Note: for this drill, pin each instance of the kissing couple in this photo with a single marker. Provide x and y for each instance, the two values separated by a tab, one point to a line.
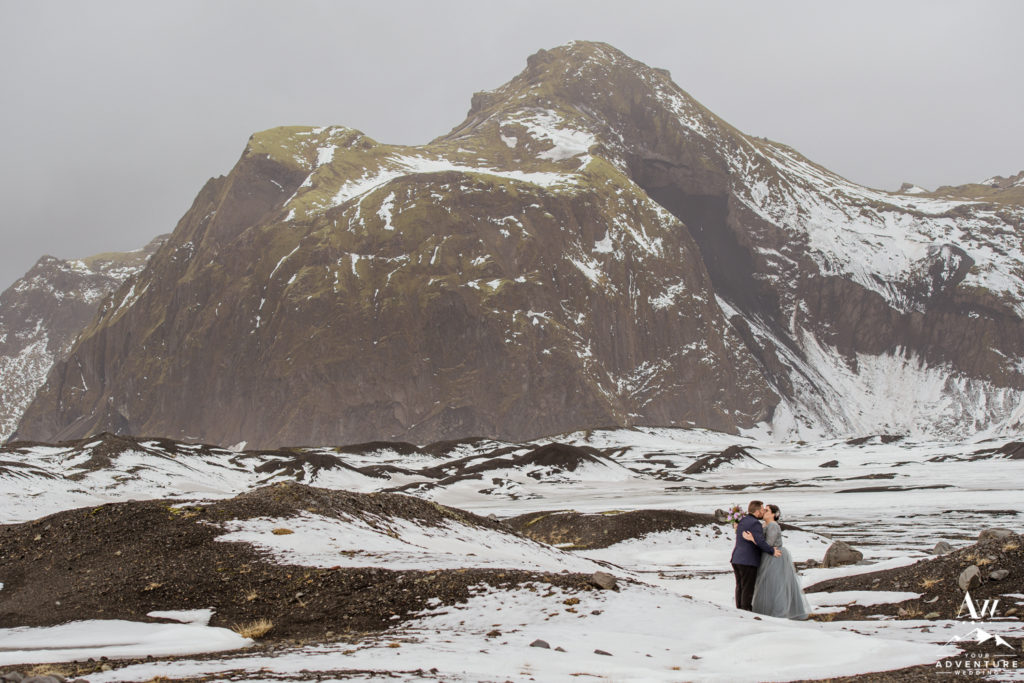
766	580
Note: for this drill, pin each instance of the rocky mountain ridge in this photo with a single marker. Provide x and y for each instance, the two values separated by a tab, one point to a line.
42	313
591	246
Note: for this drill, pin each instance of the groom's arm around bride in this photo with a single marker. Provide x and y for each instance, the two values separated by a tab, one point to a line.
746	555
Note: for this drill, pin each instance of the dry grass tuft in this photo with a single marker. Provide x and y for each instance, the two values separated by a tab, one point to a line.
928	584
1010	546
982	561
251	595
253	629
281	531
45	670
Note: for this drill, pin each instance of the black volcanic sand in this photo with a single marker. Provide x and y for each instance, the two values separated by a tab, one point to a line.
936	579
600	530
122	560
581	531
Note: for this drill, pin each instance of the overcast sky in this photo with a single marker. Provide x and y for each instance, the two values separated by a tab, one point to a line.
115	113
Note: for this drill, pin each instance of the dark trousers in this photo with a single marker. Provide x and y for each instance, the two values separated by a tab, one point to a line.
746	577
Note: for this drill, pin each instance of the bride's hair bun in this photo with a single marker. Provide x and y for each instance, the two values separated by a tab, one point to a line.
776	511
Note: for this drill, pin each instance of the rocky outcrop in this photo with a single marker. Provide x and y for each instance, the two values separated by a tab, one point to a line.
42	314
840	553
590	247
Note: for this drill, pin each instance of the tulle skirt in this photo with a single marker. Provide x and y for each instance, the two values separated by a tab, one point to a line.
777	591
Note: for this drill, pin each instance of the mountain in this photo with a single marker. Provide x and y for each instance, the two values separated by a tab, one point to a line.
590	246
42	313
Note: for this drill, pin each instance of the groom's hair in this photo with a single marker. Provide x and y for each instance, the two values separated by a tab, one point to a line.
754	506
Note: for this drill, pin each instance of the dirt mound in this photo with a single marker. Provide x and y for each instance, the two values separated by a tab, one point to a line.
602	529
103	448
299	463
400	447
936	579
1013	450
730	456
561	456
122	560
875	439
552	458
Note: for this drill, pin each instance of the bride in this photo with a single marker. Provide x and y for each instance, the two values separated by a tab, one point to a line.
777	592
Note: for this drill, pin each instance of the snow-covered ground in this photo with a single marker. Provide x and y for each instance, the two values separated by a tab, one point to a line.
672	620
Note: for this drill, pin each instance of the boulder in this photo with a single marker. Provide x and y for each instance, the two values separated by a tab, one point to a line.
840	553
941	548
721	516
969	578
995	534
999	574
604	581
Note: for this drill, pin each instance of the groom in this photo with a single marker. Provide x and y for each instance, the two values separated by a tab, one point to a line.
746	556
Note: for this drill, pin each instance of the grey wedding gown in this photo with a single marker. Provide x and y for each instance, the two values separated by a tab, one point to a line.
777	591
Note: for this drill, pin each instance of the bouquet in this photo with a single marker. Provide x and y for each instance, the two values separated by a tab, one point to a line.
734	515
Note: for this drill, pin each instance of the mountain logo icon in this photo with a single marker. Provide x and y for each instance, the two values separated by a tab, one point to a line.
981	636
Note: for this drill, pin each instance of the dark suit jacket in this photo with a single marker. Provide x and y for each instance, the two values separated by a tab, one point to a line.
746	552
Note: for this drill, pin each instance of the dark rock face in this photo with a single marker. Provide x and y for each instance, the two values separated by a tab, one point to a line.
590	247
42	314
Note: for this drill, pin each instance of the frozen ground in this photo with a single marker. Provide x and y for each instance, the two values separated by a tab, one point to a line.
892	501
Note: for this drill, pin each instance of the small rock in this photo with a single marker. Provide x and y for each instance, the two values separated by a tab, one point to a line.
995	534
830	463
1010	612
840	553
999	574
540	643
493	634
604	581
969	578
559	649
941	548
602	652
932	615
694	656
53	678
106	667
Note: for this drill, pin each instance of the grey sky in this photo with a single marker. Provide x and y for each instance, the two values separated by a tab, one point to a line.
116	113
